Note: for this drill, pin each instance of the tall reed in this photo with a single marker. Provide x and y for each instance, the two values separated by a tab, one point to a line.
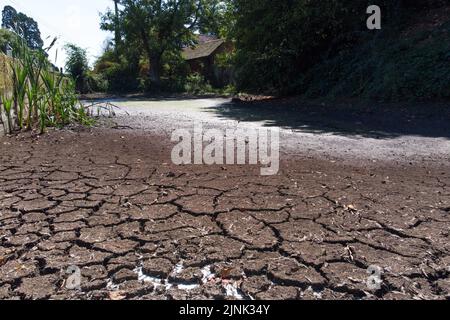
41	96
7	106
20	83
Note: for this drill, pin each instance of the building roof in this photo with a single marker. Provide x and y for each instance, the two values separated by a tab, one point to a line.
202	38
202	50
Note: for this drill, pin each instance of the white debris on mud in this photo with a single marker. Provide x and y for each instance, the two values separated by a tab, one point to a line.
156	282
232	291
207	274
231	287
111	286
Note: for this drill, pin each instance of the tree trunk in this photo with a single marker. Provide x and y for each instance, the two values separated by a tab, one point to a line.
154	73
154	58
117	28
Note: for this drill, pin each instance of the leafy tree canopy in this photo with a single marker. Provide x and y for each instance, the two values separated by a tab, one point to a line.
22	25
158	26
77	66
6	38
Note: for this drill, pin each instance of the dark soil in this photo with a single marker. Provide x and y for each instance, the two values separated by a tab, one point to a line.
111	203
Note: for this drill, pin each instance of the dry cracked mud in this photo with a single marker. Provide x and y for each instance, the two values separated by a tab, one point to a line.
111	203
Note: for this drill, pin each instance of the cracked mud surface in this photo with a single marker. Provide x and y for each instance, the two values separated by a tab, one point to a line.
111	203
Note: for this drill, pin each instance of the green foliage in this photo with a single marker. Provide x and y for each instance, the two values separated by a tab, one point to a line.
114	73
286	37
316	48
40	97
218	18
174	71
97	82
196	84
157	27
153	26
324	48
127	70
7	106
225	60
24	26
78	67
391	68
229	90
20	84
6	38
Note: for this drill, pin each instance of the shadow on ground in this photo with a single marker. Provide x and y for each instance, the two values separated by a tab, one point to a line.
380	121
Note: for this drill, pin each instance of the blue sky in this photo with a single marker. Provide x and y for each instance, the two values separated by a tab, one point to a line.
75	21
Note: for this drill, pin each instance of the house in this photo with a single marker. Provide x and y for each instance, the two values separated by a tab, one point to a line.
203	59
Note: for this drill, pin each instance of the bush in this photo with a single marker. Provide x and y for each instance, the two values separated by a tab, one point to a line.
323	48
288	37
196	84
97	82
116	74
77	66
390	69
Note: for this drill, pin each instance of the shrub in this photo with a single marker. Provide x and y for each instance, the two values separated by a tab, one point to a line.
116	73
196	84
391	69
323	48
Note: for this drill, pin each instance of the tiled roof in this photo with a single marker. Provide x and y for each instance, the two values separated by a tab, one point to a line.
202	49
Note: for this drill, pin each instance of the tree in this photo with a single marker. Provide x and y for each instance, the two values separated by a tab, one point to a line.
219	19
117	34
157	26
6	38
278	41
117	70
77	66
288	37
24	26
